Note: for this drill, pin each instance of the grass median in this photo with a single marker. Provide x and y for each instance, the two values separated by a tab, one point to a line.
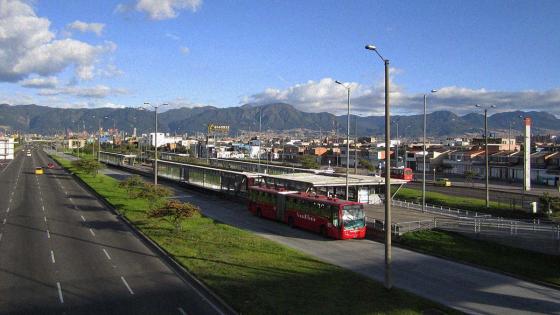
255	275
516	261
463	203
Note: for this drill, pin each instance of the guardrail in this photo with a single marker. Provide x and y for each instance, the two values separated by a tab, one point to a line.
435	209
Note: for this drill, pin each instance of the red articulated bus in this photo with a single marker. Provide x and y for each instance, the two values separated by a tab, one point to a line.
402	173
335	218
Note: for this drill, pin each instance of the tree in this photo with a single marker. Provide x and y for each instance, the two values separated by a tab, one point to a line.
549	203
154	194
365	163
309	161
88	166
132	184
175	212
469	175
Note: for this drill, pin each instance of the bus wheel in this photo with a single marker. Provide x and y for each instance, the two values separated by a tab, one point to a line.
291	222
259	214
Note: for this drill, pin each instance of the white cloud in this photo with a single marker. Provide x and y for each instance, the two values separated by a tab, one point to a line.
162	9
40	82
327	96
99	91
172	36
84	27
184	50
27	46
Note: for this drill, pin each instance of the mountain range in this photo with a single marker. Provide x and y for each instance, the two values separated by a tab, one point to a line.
274	117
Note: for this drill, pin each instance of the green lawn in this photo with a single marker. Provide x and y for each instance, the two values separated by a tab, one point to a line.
516	261
258	276
464	203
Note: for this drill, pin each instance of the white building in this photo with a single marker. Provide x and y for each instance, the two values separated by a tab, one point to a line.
163	139
7	148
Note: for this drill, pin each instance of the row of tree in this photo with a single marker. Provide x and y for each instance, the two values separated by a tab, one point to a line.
160	207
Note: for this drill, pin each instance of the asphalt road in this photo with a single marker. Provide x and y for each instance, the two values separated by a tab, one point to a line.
63	252
468	289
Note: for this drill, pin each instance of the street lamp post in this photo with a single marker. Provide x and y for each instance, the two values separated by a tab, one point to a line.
486	151
424	153
356	145
260	136
388	254
347	133
155	140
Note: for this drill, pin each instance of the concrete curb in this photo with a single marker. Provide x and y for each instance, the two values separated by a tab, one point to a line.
181	271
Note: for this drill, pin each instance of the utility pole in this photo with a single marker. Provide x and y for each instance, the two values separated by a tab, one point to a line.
388	199
486	152
347	135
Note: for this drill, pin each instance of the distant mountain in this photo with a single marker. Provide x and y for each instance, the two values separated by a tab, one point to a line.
280	116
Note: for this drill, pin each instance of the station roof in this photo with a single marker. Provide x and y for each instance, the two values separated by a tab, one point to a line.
317	180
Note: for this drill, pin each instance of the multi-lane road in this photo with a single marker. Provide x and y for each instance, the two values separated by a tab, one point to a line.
62	251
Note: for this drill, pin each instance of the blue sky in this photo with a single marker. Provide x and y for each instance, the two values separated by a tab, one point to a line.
227	53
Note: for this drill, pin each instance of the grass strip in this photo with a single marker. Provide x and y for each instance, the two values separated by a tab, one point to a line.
463	203
516	261
255	275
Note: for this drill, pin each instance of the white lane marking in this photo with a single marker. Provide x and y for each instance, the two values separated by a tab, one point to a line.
52	257
48	234
181	310
127	286
83	219
43	207
91	231
0	236
106	254
4	222
8	210
60	293
45	218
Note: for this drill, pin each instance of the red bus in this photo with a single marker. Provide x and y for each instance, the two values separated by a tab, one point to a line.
335	218
401	173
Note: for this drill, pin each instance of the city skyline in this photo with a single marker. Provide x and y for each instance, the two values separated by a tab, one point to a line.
196	53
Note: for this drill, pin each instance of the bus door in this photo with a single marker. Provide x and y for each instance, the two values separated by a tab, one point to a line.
280	207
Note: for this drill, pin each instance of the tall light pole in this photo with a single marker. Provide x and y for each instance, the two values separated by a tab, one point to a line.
486	150
260	136
424	153
356	145
347	87
155	139
388	276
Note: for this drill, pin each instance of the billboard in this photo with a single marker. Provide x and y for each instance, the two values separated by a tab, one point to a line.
215	128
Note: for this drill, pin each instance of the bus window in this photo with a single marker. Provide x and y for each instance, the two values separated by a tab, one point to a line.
334	212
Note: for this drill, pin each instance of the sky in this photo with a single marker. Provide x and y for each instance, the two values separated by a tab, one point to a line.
89	54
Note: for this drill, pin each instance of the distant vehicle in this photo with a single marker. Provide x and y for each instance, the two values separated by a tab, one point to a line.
401	173
325	171
445	182
50	165
28	154
38	171
332	217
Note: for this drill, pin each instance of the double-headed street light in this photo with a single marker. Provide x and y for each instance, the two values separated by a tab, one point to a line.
424	153
347	87
155	107
486	149
388	278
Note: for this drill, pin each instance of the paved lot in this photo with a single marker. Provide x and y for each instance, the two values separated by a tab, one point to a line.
64	252
468	289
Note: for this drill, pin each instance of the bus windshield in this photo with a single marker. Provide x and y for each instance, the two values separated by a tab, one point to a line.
353	217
